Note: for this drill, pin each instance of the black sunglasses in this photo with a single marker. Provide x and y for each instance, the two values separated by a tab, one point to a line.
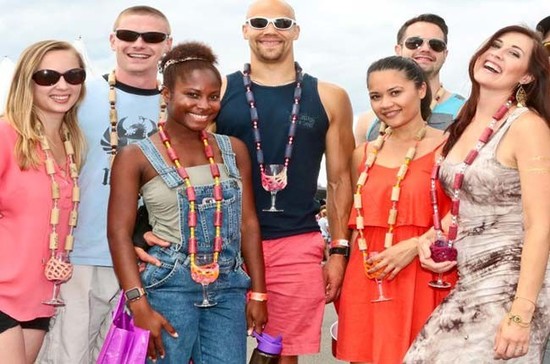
76	76
437	45
148	37
279	23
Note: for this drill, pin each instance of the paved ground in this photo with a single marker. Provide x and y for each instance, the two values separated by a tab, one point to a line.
325	356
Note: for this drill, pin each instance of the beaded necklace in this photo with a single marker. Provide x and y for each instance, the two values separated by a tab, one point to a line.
438	95
191	195
459	177
113	114
396	189
255	119
73	171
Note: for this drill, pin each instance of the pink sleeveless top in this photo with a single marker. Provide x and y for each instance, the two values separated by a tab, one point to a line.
25	206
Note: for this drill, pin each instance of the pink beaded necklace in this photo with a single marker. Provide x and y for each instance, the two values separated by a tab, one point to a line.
191	195
486	135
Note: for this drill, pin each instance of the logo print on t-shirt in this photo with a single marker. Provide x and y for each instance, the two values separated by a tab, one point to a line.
129	131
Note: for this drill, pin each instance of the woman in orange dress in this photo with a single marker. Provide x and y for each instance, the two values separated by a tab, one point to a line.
392	208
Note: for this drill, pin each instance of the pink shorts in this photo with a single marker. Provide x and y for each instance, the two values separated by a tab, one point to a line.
296	292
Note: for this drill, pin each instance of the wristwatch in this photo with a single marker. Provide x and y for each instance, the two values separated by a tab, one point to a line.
341	250
134	294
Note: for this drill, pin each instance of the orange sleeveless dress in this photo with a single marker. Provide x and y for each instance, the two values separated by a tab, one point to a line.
382	332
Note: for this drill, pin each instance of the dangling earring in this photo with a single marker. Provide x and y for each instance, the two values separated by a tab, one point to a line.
521	96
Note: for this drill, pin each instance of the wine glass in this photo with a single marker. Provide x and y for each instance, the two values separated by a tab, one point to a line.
273	180
375	276
441	250
58	270
204	270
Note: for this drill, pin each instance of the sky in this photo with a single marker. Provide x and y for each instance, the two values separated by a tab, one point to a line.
339	39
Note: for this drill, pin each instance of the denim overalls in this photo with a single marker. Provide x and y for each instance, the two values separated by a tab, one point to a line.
208	335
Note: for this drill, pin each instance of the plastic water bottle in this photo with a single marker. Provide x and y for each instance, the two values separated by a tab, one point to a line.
268	350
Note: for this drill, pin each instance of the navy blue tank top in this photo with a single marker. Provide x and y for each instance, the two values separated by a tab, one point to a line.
274	109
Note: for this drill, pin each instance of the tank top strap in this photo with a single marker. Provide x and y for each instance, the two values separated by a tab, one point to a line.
228	155
495	140
167	173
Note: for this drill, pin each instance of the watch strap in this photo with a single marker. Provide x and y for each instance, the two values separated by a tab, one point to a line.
340	250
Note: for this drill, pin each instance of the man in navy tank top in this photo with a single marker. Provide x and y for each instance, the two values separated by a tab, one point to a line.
289	118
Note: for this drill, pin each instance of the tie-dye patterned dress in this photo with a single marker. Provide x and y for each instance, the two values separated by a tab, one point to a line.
490	240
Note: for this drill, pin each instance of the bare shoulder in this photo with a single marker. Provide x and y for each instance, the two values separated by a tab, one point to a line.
434	139
130	153
530	123
237	144
327	89
362	126
336	102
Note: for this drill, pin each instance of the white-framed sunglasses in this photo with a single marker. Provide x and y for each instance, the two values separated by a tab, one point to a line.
259	22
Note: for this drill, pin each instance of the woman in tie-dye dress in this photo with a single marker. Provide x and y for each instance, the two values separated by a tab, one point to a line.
500	308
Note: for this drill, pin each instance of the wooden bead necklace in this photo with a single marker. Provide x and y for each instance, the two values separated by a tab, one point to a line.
113	114
55	190
396	189
191	195
486	135
56	269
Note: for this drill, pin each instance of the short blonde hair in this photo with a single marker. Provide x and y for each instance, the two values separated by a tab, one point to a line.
142	10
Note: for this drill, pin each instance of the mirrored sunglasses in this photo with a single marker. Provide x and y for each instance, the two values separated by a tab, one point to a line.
76	76
437	45
148	37
279	23
547	46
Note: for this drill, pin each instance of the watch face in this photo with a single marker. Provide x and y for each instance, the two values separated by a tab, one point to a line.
133	294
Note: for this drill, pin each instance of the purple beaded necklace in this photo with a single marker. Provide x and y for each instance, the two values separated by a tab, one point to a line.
255	119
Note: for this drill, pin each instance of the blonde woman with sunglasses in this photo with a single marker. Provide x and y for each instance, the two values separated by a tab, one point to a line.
40	155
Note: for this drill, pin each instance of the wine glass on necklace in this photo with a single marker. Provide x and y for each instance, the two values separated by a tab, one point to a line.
441	250
376	276
58	270
274	179
204	270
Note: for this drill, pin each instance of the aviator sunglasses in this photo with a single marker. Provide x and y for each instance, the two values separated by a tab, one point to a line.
148	37
76	76
437	45
547	46
279	23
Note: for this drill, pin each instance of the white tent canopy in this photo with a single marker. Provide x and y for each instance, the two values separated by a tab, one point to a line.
81	48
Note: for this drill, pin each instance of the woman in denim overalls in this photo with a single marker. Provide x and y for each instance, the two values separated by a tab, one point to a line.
180	331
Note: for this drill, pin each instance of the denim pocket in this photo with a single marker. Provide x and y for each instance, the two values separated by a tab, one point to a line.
155	277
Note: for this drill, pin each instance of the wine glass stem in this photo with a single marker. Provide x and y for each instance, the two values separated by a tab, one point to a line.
440	278
55	290
273	197
380	289
204	293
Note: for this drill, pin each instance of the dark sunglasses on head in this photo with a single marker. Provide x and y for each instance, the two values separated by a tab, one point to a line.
148	37
262	23
413	43
76	76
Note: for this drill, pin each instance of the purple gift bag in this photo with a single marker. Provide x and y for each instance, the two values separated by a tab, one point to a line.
124	343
